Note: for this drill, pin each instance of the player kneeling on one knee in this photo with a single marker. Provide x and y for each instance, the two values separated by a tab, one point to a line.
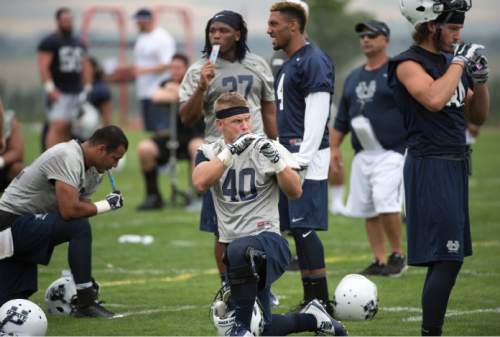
244	173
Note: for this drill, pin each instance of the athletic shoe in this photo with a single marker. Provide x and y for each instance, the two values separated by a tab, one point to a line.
396	265
93	310
294	264
238	330
275	302
326	325
328	307
375	268
152	202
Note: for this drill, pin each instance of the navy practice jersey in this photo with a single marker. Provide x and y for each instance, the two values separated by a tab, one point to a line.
66	66
367	93
431	133
309	70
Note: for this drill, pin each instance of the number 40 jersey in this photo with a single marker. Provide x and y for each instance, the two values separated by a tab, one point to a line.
246	197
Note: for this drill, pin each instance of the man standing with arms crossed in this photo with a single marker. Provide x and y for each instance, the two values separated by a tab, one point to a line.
367	108
66	75
303	89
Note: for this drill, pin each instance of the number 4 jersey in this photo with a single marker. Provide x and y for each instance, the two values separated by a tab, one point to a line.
246	197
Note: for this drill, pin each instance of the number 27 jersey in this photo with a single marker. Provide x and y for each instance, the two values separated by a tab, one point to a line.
246	196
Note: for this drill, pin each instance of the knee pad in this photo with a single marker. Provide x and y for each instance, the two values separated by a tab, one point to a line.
250	270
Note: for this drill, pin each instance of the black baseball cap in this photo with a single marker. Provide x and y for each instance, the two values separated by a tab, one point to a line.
143	14
375	26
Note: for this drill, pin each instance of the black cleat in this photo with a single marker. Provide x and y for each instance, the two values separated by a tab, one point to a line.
152	202
375	268
93	310
396	265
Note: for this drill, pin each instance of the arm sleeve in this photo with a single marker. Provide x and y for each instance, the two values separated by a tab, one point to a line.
315	119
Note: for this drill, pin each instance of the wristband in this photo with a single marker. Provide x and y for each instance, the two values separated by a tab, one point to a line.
102	206
279	166
2	162
49	86
225	157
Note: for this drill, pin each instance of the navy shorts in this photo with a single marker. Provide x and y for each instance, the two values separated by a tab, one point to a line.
277	259
208	217
156	117
309	211
32	246
437	214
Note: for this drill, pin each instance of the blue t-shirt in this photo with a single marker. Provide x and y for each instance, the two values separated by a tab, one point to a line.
309	70
66	66
431	133
367	93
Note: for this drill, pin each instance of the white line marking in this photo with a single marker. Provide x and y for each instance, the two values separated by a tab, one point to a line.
451	313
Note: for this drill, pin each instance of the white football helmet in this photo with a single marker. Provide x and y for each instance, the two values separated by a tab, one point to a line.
22	318
59	295
86	121
355	298
223	316
419	11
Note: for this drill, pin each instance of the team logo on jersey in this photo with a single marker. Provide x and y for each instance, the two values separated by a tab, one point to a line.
453	246
366	91
458	98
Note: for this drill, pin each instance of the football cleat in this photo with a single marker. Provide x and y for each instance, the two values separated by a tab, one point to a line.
93	310
326	325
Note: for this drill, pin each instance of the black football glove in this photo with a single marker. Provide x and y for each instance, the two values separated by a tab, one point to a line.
241	143
478	70
467	52
268	150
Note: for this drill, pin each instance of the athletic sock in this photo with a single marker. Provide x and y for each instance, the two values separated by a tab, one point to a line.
151	178
438	284
320	287
309	289
282	325
244	296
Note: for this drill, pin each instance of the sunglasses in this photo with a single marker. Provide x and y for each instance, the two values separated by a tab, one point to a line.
369	34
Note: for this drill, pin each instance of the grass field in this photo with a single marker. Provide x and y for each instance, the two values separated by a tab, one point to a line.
166	288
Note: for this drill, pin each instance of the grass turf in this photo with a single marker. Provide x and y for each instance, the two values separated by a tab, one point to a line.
166	288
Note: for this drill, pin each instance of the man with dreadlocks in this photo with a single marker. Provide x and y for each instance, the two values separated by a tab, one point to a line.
235	70
438	84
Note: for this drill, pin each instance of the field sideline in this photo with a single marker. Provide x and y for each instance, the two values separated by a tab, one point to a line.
166	288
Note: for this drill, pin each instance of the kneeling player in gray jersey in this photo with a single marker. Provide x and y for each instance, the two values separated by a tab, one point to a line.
48	204
244	172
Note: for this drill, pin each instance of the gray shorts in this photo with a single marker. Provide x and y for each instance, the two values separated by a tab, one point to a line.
65	108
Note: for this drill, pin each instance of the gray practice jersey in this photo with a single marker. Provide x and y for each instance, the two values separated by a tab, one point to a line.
251	78
33	190
246	197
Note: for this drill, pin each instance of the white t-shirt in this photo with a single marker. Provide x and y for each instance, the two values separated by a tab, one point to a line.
151	49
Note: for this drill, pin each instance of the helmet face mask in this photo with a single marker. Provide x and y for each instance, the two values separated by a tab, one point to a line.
223	315
355	298
420	11
22	318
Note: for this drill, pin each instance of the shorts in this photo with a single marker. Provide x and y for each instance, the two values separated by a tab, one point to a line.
376	184
64	109
32	236
309	211
155	116
208	216
437	214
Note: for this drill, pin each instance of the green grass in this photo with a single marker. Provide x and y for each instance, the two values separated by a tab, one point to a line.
166	288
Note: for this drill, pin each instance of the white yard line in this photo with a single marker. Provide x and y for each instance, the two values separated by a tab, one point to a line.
449	313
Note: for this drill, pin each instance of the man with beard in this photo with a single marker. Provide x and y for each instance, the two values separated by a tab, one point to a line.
66	76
